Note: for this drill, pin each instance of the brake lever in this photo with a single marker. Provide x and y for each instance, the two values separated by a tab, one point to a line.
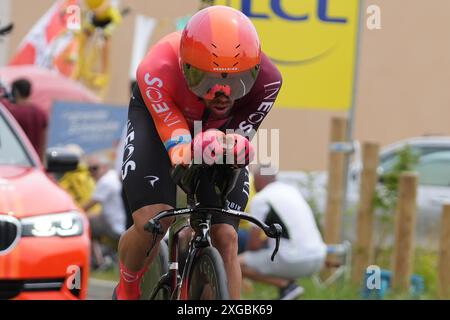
275	231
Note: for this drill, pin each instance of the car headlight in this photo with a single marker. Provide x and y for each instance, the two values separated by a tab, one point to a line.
68	224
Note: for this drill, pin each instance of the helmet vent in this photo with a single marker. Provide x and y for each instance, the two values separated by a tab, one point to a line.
238	46
215	55
234	65
237	55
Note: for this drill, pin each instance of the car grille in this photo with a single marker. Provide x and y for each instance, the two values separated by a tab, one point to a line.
11	288
10	229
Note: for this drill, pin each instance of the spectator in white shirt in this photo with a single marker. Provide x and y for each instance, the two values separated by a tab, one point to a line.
302	251
107	193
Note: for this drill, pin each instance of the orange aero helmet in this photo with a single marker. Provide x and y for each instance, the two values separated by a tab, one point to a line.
220	52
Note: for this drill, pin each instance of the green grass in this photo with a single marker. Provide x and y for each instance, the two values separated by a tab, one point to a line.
338	291
425	265
265	292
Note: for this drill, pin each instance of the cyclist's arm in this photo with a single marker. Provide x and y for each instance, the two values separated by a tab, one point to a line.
170	123
258	103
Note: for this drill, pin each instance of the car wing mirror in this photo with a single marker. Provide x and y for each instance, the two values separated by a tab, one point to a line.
60	160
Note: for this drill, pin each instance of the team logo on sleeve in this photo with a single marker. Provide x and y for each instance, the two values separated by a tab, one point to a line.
128	164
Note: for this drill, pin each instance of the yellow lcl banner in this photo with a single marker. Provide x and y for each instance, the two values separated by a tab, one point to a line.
314	44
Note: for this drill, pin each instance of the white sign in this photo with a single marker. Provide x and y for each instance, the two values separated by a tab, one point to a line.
143	31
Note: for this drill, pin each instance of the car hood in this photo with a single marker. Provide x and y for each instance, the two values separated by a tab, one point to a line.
26	192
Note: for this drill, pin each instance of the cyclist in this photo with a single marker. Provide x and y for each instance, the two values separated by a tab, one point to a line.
214	72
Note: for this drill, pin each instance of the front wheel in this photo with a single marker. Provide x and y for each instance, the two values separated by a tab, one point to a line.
156	270
207	277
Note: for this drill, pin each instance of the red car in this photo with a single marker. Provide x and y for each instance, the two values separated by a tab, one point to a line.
44	237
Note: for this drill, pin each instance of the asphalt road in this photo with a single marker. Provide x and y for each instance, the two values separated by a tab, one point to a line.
100	289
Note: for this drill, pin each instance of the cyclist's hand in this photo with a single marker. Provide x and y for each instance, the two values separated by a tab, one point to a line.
240	148
208	147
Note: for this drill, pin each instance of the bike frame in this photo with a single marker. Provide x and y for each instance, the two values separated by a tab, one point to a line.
200	220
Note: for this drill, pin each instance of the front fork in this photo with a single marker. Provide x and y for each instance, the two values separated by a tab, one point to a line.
200	240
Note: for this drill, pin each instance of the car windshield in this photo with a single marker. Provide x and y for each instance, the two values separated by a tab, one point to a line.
388	161
12	152
433	166
434	169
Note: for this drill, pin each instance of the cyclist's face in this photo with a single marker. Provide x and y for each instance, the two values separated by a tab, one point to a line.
220	106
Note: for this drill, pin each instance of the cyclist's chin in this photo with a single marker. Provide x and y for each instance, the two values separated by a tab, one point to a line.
220	110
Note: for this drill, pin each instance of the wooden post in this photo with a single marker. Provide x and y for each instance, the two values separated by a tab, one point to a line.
336	176
363	250
405	223
335	191
444	255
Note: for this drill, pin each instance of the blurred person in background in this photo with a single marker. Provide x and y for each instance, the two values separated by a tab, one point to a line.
110	223
302	250
244	231
104	15
30	117
79	183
